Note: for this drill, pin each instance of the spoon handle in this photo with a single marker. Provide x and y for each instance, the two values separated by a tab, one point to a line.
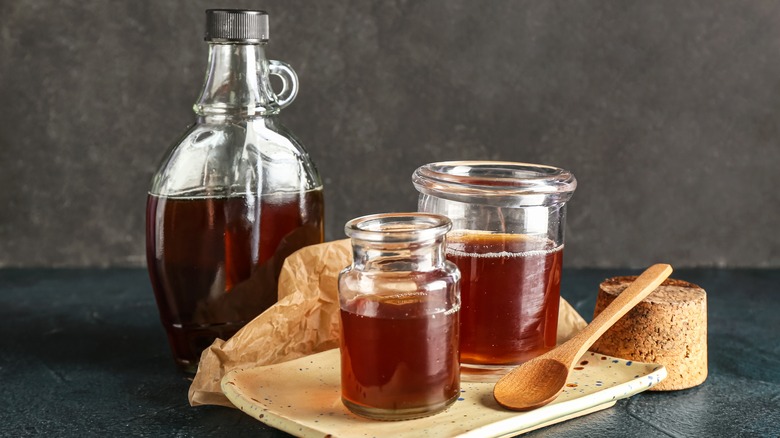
650	279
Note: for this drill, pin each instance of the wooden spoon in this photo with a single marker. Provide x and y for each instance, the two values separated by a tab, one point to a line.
540	380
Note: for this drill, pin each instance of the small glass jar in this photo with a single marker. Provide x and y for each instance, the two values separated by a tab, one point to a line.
507	239
399	318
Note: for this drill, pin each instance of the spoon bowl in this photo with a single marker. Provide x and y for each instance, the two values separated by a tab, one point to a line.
549	376
540	380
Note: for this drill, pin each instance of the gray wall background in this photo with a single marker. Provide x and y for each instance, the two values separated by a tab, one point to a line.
666	111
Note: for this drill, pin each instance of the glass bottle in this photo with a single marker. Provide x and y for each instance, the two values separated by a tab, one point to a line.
507	239
399	318
233	197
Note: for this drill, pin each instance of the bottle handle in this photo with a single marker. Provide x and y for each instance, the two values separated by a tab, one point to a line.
289	81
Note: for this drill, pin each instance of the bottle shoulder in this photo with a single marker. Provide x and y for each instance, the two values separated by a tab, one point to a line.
261	135
255	153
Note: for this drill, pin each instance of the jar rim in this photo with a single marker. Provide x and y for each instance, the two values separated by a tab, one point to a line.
398	227
500	183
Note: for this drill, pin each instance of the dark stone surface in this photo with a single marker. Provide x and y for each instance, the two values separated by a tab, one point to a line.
666	111
82	354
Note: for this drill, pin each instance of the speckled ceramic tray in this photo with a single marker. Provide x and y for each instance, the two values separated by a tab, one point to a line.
303	397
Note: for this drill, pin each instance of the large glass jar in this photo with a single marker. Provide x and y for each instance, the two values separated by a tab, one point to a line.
507	239
234	196
399	318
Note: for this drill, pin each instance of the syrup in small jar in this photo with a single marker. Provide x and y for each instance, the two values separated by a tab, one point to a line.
400	304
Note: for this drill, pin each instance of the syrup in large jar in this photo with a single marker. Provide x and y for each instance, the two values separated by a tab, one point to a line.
510	289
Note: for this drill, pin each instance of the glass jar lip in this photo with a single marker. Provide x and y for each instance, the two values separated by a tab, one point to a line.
398	227
500	183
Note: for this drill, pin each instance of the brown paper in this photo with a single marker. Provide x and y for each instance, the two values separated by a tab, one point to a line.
304	321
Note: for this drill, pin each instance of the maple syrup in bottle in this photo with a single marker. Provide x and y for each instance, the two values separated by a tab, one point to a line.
234	196
400	303
507	240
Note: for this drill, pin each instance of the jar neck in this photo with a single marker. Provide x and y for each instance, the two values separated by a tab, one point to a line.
237	83
405	256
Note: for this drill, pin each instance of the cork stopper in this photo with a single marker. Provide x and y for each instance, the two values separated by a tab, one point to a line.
669	327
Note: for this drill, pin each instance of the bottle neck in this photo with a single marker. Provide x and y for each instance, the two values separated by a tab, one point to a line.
237	83
415	256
